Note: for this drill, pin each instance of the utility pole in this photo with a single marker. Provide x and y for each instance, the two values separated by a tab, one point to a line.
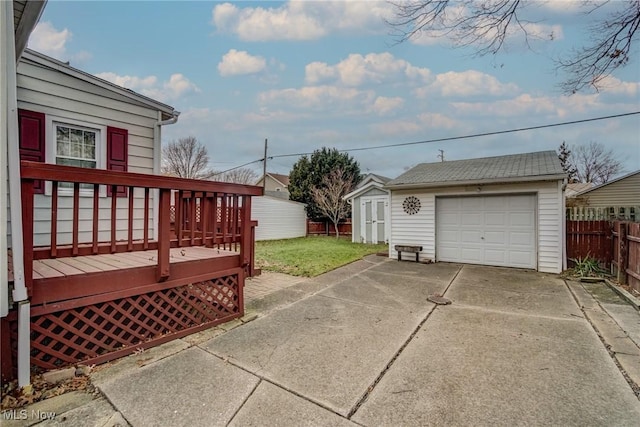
264	167
441	155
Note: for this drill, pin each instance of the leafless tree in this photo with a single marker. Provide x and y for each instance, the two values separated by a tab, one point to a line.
486	25
238	176
329	196
594	163
186	158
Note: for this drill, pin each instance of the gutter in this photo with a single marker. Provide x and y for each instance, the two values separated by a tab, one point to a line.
409	186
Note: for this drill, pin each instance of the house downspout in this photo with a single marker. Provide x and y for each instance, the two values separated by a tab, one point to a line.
563	215
157	161
20	296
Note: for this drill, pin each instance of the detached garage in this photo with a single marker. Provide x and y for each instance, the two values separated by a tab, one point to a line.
503	211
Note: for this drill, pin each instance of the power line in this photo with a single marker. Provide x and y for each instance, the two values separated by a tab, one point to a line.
237	167
475	135
451	138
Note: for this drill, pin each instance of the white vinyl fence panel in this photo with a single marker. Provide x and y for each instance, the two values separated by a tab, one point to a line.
278	218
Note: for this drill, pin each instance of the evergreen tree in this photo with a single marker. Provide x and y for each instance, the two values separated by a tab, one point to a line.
308	173
564	153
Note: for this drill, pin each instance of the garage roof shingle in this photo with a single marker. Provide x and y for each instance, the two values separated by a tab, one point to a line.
526	167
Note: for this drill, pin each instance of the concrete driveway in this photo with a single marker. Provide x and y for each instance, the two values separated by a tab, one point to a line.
363	345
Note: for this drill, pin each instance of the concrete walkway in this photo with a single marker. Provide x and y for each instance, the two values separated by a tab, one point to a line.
363	346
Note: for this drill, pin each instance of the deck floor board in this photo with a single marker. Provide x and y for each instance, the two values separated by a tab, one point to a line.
86	264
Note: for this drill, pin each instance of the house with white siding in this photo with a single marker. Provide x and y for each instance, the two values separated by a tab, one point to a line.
503	211
69	117
87	233
618	198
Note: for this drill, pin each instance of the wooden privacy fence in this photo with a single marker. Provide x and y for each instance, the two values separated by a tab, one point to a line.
616	246
326	228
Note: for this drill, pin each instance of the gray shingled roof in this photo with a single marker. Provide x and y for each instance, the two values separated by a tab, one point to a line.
512	168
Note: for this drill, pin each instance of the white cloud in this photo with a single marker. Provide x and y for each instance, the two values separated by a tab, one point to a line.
46	39
357	70
236	63
526	105
301	20
383	105
172	89
616	86
437	121
466	83
332	98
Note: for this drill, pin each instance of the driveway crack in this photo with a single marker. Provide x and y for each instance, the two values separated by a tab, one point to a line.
370	389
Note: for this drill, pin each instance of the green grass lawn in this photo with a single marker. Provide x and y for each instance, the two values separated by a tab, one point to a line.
310	256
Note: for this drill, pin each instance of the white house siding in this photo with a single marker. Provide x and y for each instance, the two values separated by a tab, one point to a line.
59	95
625	192
355	212
419	229
278	218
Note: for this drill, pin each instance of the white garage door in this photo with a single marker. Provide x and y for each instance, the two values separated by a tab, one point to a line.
489	230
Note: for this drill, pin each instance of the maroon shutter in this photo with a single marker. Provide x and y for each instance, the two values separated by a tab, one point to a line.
117	154
32	140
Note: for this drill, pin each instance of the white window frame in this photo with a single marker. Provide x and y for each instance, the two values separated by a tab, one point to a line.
51	150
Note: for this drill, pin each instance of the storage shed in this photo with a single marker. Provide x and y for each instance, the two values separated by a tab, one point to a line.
503	211
370	210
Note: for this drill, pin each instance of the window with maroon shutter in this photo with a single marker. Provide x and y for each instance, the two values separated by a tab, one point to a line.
31	127
117	155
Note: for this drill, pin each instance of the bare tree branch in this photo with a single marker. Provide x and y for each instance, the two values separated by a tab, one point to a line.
593	163
239	176
186	158
329	196
486	25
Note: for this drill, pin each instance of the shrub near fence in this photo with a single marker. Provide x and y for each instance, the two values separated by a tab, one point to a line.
616	245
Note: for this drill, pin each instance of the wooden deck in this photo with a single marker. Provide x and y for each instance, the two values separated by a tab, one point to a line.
97	293
81	265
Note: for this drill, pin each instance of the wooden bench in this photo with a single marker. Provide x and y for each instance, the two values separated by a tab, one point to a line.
408	248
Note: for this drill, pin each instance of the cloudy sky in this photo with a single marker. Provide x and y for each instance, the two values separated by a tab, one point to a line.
308	74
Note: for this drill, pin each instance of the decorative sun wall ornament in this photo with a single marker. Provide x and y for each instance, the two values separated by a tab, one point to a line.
411	205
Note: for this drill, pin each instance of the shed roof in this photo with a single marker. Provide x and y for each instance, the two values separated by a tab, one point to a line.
538	166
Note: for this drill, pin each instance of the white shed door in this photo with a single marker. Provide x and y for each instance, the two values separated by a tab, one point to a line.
489	230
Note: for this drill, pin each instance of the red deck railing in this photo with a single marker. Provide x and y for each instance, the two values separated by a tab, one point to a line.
210	214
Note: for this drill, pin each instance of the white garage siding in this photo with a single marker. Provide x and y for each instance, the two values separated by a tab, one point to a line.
278	218
419	229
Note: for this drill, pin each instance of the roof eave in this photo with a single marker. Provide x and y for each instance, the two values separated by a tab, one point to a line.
45	60
476	182
28	21
589	190
363	189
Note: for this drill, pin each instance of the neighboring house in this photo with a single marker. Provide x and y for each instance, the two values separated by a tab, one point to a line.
503	211
278	218
618	198
370	210
95	266
574	188
276	185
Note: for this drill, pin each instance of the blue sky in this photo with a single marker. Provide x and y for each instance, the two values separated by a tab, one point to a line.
310	74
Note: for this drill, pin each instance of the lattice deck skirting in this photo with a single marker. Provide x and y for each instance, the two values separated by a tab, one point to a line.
105	330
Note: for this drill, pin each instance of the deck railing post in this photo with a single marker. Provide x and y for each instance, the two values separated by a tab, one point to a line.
245	238
164	233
